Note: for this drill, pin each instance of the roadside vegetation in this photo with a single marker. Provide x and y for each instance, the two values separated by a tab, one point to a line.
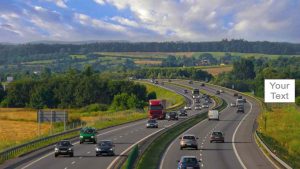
19	125
173	99
279	128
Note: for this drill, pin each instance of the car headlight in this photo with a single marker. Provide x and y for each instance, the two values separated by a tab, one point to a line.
111	149
81	136
92	136
55	149
98	149
70	149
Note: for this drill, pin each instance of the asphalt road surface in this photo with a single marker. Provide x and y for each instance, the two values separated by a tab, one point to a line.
123	136
239	149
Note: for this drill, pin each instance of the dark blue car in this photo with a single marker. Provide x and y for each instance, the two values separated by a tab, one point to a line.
188	162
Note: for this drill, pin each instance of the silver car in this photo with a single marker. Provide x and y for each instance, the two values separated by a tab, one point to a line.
188	141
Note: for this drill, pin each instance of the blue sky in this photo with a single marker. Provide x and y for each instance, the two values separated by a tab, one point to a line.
149	20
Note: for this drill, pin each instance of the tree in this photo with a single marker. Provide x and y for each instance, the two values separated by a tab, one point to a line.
2	93
243	69
151	95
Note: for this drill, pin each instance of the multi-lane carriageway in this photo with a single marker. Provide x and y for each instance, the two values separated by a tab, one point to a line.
238	151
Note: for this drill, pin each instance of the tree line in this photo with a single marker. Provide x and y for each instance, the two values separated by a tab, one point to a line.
9	53
248	74
172	73
74	89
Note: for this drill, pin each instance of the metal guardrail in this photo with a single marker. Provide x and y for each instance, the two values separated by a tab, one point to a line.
43	142
264	107
143	145
33	145
271	153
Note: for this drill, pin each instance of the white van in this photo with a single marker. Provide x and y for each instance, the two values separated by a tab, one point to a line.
213	115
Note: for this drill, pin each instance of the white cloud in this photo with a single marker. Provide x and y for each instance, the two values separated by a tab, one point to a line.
59	3
125	21
152	20
101	2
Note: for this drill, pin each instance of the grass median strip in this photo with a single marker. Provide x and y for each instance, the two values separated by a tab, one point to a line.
152	155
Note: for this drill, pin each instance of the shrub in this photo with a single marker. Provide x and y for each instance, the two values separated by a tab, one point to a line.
298	100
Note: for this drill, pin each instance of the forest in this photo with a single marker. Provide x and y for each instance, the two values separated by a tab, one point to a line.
11	53
73	89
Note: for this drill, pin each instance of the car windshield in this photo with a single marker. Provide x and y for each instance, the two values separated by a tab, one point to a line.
172	113
182	111
217	134
155	107
190	160
151	121
64	143
88	131
189	137
105	143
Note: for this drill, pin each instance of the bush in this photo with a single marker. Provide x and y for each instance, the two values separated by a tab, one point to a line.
298	100
95	107
125	101
151	95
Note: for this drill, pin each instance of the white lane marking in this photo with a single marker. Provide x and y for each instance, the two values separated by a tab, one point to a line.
120	136
169	147
233	137
73	162
110	131
80	157
66	167
88	152
116	159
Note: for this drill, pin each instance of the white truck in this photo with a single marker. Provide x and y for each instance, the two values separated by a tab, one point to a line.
213	115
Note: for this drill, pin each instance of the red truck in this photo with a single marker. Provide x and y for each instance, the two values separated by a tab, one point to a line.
157	109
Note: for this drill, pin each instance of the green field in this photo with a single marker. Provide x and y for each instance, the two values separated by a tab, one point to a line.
280	129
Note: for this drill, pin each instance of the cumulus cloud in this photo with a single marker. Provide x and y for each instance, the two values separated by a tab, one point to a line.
59	3
158	20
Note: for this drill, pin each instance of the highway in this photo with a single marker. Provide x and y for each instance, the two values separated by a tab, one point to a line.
124	136
239	149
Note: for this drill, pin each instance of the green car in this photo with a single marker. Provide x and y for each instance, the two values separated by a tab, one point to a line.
88	134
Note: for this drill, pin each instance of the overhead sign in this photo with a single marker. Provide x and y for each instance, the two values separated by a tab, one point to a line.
52	116
279	90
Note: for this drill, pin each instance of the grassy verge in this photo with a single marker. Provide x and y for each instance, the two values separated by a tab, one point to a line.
173	99
279	129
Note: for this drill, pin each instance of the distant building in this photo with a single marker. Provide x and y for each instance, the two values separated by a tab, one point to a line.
9	79
37	72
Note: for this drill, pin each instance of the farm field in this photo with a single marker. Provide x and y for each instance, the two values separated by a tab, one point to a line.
217	70
19	125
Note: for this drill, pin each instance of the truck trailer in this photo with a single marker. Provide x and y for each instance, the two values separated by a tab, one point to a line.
157	109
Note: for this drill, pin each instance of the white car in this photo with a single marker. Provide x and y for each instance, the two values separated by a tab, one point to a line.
221	91
213	115
197	107
205	106
232	104
196	96
187	108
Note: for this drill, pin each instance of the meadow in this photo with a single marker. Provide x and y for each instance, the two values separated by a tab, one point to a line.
279	127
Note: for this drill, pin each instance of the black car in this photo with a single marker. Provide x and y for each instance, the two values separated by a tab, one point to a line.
64	147
185	91
202	84
172	116
105	147
240	109
190	82
182	113
218	92
152	123
217	136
